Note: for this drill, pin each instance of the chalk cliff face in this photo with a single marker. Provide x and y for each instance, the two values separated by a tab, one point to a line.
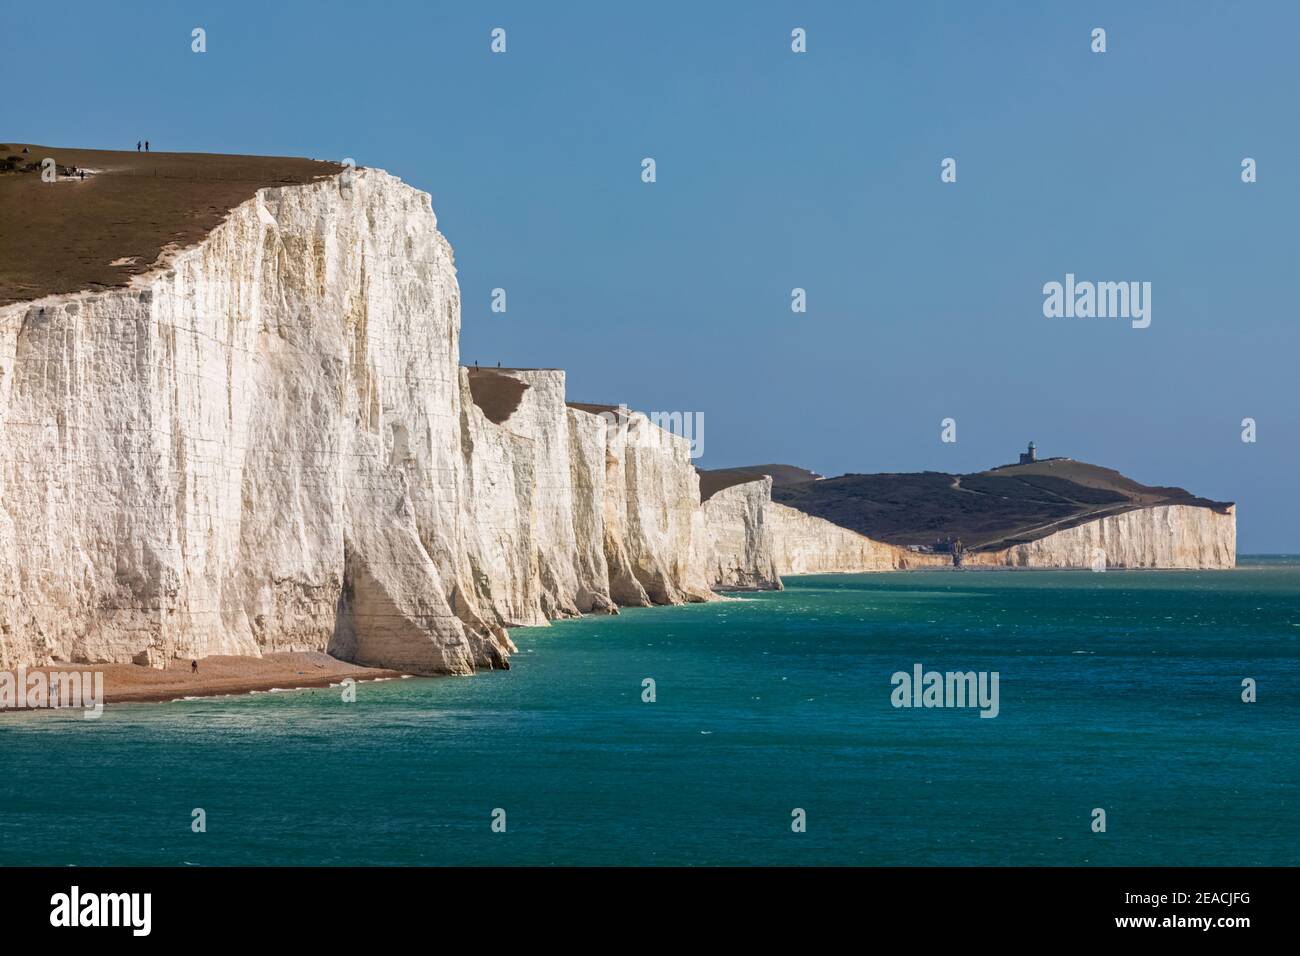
805	544
652	516
602	510
739	545
267	444
255	448
1170	536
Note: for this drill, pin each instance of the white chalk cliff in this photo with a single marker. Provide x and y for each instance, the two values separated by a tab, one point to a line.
267	443
740	543
1163	536
805	544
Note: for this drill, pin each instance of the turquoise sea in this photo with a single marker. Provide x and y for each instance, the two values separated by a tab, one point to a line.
1119	690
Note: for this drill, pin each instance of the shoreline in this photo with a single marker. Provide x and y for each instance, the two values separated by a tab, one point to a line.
218	676
234	676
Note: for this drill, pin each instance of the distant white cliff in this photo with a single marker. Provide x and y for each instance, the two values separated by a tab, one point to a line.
806	544
1162	536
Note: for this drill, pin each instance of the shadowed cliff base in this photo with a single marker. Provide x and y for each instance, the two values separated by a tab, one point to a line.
985	511
76	234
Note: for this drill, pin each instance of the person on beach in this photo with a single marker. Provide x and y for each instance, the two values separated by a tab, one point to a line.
194	667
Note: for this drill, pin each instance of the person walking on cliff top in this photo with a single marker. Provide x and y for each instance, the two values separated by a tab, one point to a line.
137	146
146	146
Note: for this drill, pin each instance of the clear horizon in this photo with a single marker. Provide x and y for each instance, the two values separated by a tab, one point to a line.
777	171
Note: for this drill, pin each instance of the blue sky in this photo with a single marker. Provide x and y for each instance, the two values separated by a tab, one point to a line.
778	170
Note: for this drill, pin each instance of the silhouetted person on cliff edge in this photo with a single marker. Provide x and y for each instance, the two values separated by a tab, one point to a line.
194	667
137	146
146	146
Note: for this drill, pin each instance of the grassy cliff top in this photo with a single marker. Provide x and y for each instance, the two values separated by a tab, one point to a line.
986	510
96	233
717	479
496	391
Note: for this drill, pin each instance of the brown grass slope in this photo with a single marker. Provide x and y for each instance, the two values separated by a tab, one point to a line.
714	480
75	234
496	392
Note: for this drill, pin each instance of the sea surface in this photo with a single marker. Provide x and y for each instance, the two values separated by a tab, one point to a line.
1118	691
